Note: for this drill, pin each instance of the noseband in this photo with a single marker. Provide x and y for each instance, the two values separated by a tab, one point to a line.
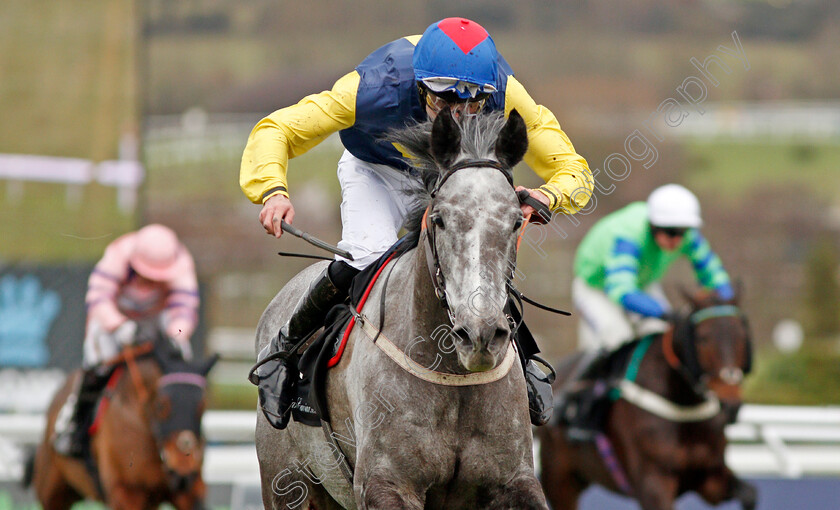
428	227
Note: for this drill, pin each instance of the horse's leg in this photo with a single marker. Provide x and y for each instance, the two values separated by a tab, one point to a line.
51	488
379	489
562	488
657	488
723	486
121	497
192	499
116	493
291	489
523	492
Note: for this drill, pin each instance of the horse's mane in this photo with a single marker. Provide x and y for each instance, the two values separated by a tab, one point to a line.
478	141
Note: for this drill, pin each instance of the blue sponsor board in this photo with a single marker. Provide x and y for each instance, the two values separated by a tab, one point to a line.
42	316
42	328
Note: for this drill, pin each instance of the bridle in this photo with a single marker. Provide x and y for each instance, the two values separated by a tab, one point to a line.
428	228
161	429
683	358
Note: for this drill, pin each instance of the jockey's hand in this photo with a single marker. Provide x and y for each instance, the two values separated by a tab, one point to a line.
535	193
671	316
275	209
125	333
176	336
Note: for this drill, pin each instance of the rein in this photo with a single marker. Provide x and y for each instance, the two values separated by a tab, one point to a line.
129	356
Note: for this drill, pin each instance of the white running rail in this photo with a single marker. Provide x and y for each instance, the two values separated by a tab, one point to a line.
787	441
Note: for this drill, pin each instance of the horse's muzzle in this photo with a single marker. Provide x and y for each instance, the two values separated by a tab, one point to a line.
181	482
482	351
730	409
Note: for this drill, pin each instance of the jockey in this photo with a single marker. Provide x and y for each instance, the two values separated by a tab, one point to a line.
455	65
620	262
143	275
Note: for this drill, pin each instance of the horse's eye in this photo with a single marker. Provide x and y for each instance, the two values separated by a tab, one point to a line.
437	221
517	225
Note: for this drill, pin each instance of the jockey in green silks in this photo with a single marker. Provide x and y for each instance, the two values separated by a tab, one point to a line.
620	262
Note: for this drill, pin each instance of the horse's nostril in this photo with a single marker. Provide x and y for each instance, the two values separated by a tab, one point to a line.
463	335
502	333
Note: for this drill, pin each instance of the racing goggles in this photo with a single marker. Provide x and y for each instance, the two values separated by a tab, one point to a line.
673	231
465	107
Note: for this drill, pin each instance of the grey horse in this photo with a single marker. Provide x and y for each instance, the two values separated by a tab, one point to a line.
416	443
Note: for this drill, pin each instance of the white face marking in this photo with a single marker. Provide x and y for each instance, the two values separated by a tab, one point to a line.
474	247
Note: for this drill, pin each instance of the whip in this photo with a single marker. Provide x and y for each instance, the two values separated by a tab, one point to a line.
314	241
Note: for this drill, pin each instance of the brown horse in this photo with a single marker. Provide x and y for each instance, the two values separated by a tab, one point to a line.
147	447
663	435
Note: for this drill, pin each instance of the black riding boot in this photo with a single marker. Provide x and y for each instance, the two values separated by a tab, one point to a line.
276	372
540	400
71	438
584	409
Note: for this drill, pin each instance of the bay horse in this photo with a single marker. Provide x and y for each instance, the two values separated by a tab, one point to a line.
147	447
664	432
428	406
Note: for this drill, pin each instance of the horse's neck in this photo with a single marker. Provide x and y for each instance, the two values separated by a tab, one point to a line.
657	374
140	383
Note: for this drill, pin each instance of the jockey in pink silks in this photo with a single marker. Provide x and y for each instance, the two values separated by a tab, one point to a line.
143	275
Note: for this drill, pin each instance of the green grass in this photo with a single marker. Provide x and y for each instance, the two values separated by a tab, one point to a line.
807	377
43	225
68	84
232	396
731	169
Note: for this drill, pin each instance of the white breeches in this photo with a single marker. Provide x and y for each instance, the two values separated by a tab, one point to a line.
374	205
604	324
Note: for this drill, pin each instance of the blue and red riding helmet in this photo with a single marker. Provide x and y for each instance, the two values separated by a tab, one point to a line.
456	54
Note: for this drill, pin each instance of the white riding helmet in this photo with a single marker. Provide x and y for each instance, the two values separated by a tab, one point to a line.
672	205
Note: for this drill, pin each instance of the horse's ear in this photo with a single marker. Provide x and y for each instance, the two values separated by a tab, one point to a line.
513	141
446	139
205	366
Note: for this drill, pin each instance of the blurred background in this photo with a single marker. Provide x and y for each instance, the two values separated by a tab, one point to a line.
138	112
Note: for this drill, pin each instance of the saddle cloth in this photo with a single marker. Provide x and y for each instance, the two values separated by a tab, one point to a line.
585	401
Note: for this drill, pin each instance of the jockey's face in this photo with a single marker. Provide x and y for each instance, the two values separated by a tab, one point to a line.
437	102
670	238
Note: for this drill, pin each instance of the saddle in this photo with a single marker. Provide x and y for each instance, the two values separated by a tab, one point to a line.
584	401
310	404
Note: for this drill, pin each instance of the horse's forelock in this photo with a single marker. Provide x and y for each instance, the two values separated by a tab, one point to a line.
478	140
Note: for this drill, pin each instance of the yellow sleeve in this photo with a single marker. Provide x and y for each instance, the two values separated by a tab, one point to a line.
292	131
568	180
